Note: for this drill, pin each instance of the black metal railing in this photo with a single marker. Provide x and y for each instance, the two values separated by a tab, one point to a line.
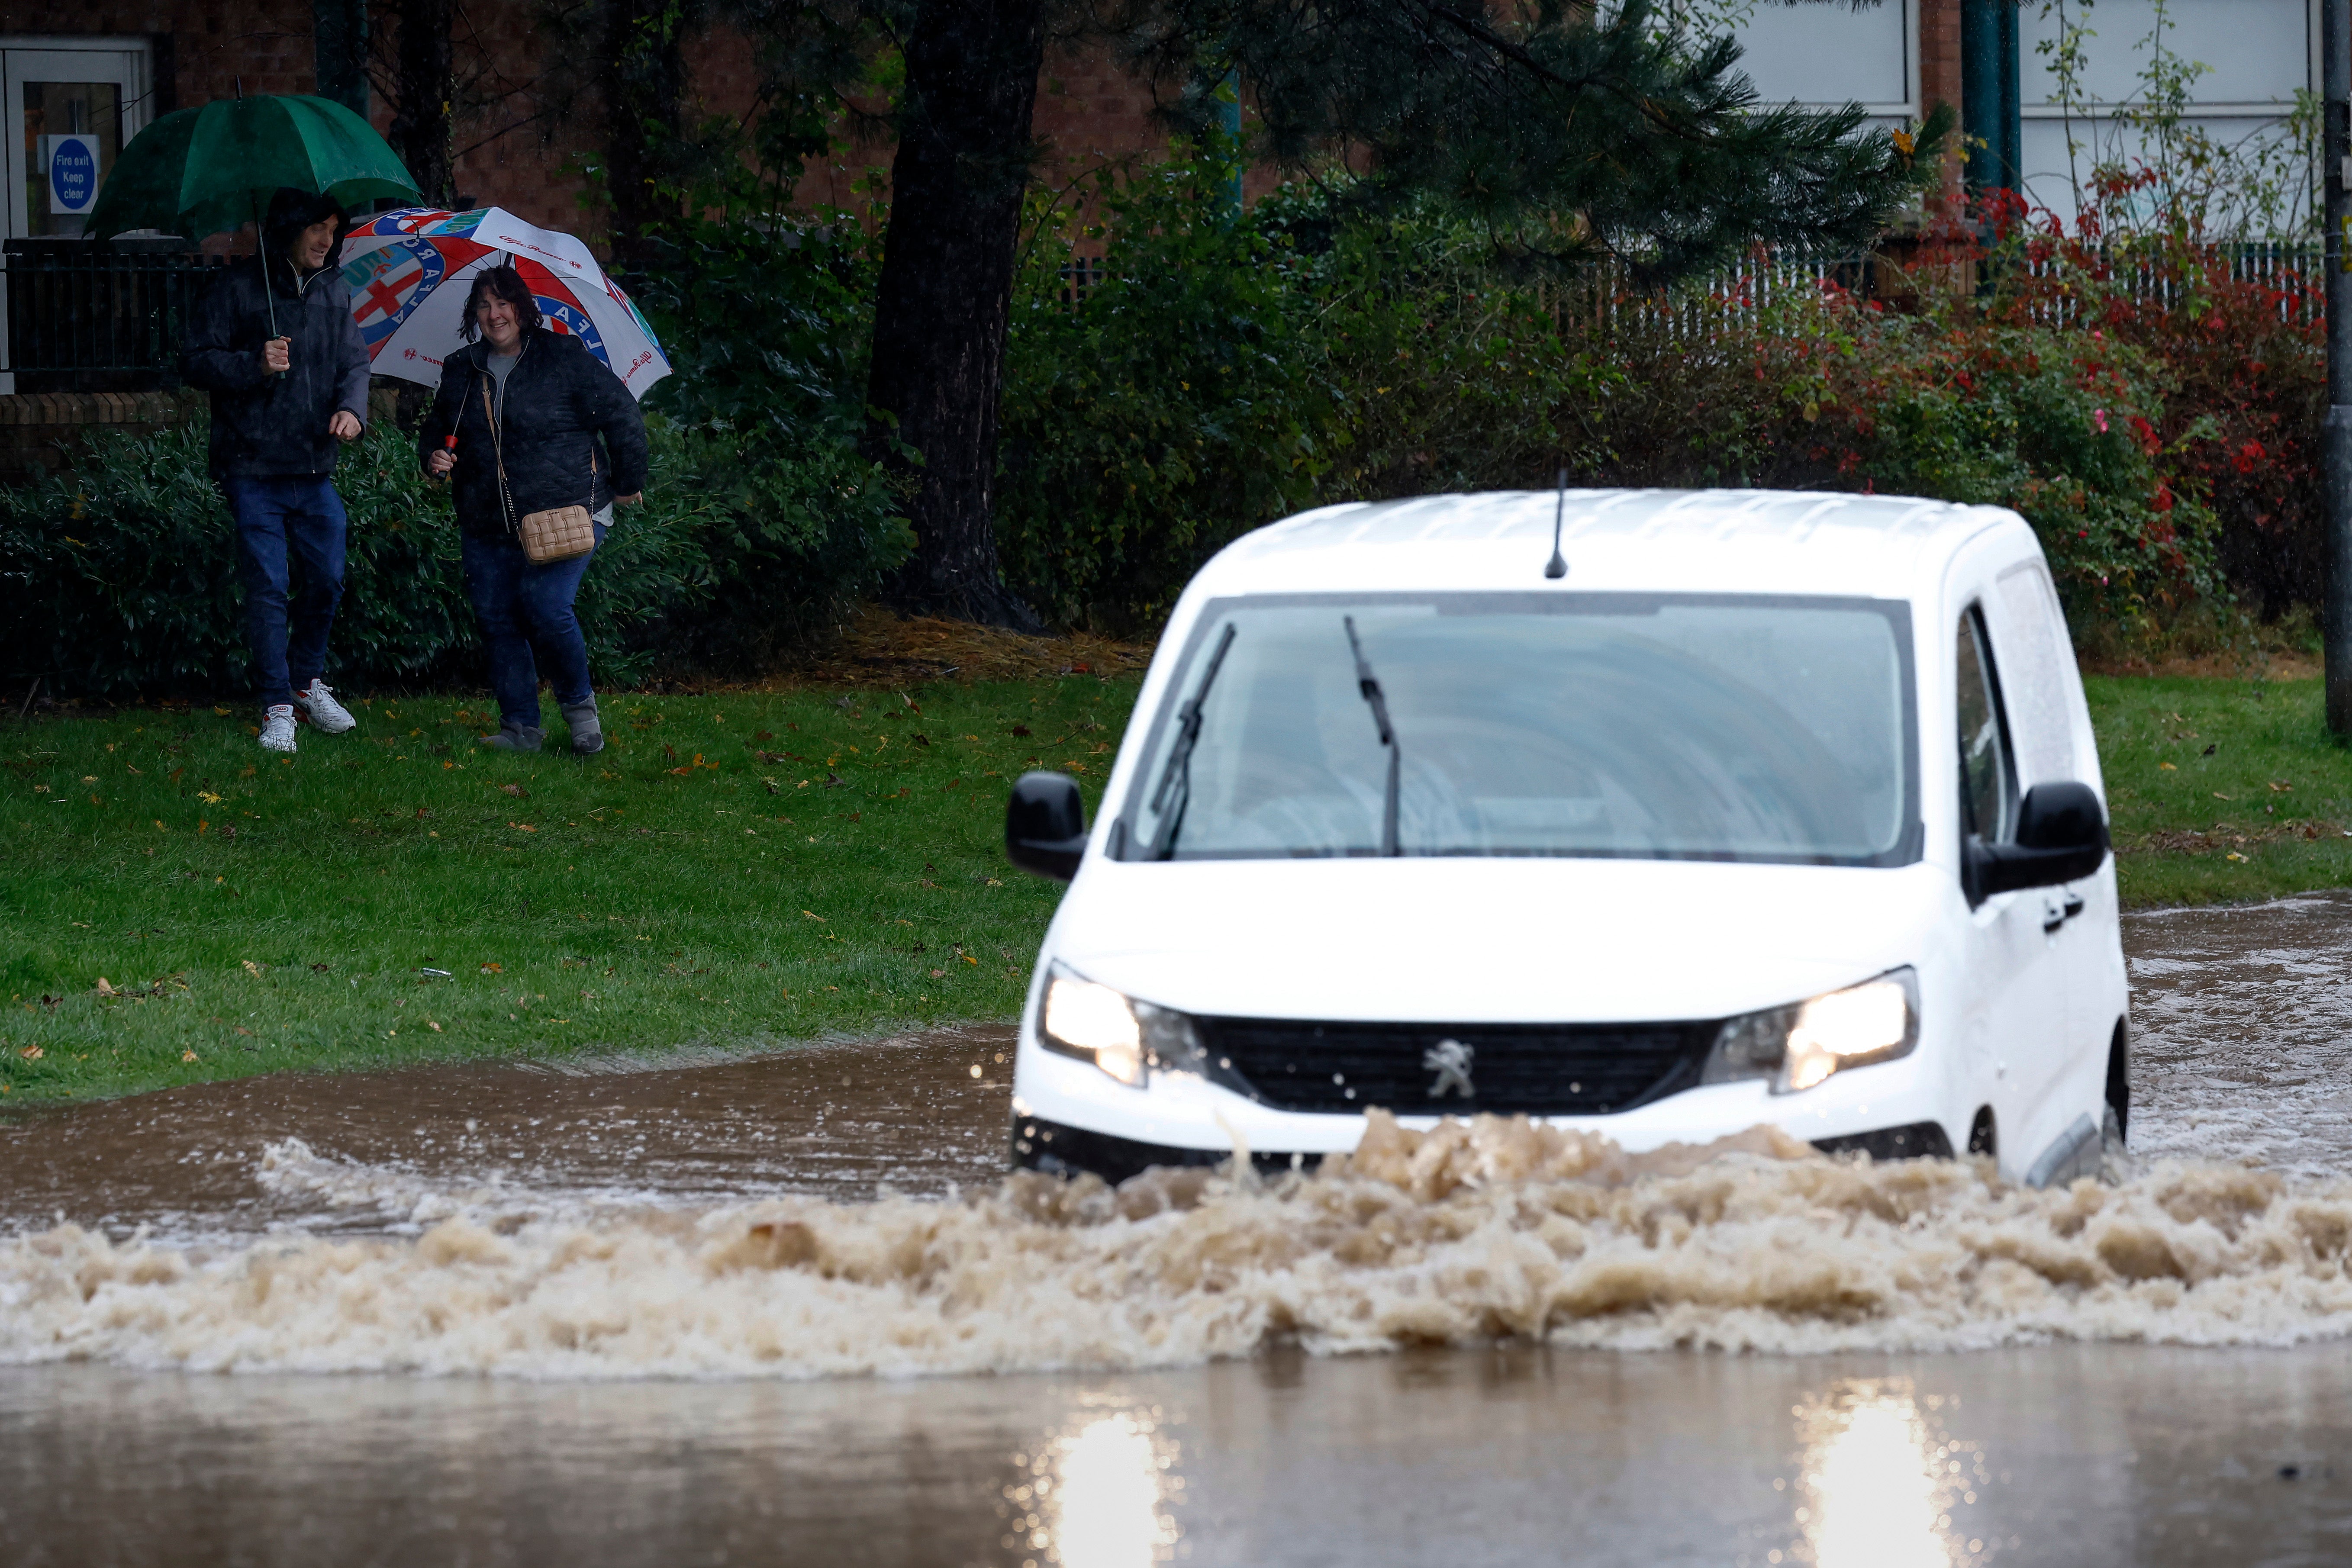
87	317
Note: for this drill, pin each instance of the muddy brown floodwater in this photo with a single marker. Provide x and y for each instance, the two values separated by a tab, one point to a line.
779	1309
845	1122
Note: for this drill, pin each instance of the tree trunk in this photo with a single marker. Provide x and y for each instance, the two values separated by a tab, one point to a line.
424	84
946	291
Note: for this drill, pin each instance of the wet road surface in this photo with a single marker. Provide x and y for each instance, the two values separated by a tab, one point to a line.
844	1121
2101	1453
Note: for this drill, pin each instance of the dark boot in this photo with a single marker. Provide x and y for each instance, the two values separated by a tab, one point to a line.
515	737
587	733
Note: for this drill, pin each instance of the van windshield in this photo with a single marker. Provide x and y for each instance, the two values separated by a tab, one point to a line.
1647	726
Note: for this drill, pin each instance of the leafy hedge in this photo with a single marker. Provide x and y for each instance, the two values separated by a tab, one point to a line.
120	575
1225	373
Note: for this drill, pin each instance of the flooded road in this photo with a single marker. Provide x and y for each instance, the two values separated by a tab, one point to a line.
361	1152
678	1274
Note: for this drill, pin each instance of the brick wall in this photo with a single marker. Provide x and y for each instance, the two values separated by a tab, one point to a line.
39	433
1939	71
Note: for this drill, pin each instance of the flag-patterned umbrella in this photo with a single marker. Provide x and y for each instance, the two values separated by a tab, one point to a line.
410	272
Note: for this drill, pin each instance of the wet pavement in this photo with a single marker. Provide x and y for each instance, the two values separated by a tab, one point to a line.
2072	1453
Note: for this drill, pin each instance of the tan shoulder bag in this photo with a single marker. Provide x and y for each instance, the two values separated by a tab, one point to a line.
560	533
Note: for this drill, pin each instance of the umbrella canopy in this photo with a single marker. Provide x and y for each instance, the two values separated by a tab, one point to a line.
199	170
410	271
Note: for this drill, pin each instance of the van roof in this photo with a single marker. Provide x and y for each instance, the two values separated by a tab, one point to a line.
1755	542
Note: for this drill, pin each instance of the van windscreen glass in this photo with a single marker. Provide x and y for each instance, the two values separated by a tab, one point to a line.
1652	726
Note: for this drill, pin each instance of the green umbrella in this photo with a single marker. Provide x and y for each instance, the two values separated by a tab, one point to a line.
199	170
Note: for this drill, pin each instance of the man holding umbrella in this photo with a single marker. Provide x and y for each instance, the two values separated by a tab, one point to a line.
276	346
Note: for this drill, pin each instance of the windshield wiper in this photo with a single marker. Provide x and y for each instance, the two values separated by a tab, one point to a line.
1178	774
1370	686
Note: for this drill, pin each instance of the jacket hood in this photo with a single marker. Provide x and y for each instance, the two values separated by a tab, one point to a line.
292	210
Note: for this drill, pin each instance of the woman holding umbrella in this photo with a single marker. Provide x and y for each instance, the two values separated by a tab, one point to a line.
517	424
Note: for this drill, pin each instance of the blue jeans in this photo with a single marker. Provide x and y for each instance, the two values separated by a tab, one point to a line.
526	609
298	518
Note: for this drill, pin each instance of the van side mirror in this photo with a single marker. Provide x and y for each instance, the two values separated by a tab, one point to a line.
2062	837
1045	824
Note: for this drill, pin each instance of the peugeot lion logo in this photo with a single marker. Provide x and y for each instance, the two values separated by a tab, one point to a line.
1450	1060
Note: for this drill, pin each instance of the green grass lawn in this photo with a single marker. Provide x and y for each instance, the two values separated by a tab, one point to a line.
2222	790
733	871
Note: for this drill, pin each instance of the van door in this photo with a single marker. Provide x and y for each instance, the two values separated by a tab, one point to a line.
2054	744
2017	1020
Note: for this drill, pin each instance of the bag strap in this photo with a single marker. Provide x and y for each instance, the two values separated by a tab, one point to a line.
499	451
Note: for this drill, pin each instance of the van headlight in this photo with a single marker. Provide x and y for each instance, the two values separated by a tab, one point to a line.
1125	1037
1801	1044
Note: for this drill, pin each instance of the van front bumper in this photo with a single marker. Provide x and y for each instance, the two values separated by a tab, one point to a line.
1061	1150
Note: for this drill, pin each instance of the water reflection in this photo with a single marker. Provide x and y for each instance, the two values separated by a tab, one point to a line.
1878	1486
1100	1488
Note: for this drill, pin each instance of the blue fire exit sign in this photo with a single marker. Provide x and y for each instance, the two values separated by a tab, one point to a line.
73	172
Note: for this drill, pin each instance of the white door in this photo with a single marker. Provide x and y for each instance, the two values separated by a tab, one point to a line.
68	102
2016	1009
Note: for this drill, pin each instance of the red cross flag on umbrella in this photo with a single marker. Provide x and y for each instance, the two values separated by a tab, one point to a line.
410	272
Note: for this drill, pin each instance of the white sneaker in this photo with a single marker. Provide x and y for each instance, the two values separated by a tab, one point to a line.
277	728
331	716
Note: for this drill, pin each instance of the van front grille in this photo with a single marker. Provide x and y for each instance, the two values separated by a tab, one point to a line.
1543	1069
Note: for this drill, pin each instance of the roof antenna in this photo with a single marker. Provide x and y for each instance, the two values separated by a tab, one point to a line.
1557	567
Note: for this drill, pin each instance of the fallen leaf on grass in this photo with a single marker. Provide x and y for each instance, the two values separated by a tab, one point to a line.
208	797
494	969
223	713
432	1026
187	1056
516	790
103	989
522	826
938	973
968	958
32	1053
2169	767
252	968
2219	795
813	915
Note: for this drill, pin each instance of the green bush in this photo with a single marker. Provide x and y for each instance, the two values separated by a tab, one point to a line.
1226	372
766	313
1176	407
120	575
121	572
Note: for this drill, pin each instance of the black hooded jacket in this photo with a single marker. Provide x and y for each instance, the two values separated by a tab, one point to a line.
275	425
560	398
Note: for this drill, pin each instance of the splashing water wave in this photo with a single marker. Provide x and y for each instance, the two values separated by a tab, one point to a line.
1473	1230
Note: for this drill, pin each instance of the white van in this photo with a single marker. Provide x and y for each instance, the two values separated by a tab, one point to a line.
1729	808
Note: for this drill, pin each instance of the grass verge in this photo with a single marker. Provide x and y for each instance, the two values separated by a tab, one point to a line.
178	904
734	869
2222	790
